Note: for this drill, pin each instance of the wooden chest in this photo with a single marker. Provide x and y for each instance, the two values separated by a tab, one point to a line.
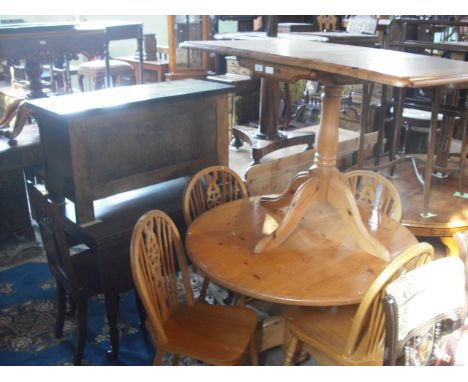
101	143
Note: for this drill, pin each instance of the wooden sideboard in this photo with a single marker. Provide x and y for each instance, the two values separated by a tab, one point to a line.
101	143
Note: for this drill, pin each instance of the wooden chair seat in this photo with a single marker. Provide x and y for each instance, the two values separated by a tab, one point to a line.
353	334
96	71
327	330
219	335
214	334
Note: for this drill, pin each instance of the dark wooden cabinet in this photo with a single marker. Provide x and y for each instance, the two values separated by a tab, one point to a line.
105	142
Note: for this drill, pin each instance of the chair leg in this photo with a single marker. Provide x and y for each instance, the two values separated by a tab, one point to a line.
230	298
112	307
61	307
290	351
175	359
72	302
204	288
240	300
253	352
81	82
82	329
158	357
142	316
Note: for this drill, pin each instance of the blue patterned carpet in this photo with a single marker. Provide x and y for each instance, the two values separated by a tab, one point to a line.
28	311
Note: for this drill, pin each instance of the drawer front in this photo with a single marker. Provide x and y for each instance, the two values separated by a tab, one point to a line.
11	181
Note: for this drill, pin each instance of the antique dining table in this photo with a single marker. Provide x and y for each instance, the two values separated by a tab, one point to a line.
320	264
338	37
43	43
336	65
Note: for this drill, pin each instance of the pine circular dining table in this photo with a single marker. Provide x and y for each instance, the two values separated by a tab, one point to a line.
319	264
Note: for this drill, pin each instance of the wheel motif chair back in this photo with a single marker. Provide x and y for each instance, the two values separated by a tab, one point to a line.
210	188
375	192
156	253
368	329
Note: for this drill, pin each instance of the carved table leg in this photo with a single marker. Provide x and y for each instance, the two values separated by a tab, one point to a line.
324	184
267	138
33	70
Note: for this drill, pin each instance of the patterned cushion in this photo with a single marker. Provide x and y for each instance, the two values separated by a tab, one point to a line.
427	292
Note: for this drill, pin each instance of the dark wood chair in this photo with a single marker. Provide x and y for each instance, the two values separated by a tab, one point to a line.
419	306
350	334
214	334
76	275
207	189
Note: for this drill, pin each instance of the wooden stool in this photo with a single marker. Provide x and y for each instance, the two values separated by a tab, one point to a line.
96	71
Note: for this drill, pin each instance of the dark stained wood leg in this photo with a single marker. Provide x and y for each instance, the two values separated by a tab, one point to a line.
33	70
107	78
67	78
141	315
72	302
228	300
268	113
61	307
140	75
82	329
175	359
261	147
266	138
112	303
204	288
236	142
